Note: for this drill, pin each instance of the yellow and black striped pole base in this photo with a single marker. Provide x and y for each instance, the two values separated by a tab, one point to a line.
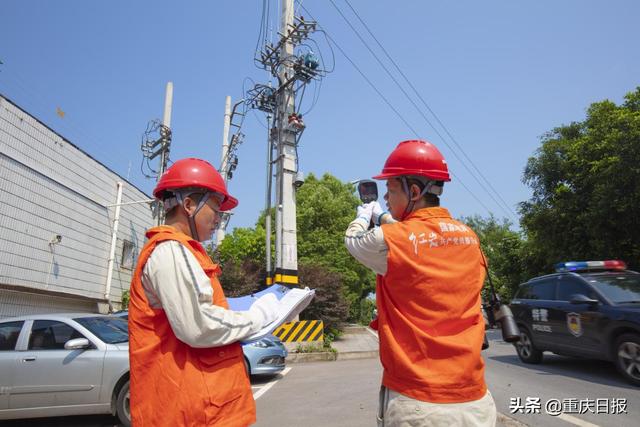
283	277
301	331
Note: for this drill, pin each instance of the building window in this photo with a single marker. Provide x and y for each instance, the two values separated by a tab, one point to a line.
128	255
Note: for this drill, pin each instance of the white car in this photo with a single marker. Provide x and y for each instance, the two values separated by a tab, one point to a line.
64	364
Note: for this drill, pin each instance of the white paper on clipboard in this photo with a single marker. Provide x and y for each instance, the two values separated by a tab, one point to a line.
292	302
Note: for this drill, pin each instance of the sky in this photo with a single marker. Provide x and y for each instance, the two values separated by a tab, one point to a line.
497	74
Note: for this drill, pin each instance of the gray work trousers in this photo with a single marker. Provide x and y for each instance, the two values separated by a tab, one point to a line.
397	410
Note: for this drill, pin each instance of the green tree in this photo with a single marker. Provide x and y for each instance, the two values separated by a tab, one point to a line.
586	189
503	248
329	304
243	244
126	297
324	209
242	277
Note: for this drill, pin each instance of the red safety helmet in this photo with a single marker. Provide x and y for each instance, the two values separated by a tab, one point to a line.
194	173
416	158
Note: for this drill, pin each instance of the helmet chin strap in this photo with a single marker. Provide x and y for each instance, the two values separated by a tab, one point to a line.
412	203
192	218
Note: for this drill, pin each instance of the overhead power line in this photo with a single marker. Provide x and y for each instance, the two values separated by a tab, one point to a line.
386	101
417	93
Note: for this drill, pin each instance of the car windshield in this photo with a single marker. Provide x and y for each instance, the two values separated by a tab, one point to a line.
111	330
618	287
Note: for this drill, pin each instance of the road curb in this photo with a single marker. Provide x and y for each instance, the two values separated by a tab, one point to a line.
349	355
326	356
329	356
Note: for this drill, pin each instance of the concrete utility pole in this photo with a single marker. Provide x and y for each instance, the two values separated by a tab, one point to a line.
166	122
286	271
233	118
225	137
293	71
114	241
165	133
267	204
223	161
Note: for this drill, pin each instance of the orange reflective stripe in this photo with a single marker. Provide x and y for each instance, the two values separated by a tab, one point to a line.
429	319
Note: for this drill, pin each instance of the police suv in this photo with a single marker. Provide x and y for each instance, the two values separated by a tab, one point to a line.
588	309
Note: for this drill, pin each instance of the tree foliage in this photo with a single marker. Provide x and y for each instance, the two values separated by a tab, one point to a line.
244	244
324	209
329	304
242	277
586	189
503	249
585	179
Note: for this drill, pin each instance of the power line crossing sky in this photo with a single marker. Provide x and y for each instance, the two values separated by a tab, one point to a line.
497	75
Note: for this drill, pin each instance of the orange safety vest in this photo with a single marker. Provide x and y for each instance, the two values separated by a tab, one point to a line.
430	324
173	384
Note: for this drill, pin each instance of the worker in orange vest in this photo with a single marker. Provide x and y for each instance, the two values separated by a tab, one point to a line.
429	275
187	365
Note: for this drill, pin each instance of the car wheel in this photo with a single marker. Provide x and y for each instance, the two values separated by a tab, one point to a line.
526	350
122	405
628	357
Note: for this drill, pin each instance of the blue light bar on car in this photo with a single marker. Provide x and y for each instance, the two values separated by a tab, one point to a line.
590	265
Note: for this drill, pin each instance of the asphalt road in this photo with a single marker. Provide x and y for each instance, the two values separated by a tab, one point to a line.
321	394
344	393
570	381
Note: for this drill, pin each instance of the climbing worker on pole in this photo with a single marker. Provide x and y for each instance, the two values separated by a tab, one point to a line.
187	365
430	272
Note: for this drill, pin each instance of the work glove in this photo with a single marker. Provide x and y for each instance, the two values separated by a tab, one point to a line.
365	211
377	212
265	309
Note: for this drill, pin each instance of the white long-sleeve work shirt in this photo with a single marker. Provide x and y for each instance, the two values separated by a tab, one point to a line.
174	281
367	246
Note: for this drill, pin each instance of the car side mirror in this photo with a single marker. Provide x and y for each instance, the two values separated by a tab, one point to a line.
582	299
77	344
